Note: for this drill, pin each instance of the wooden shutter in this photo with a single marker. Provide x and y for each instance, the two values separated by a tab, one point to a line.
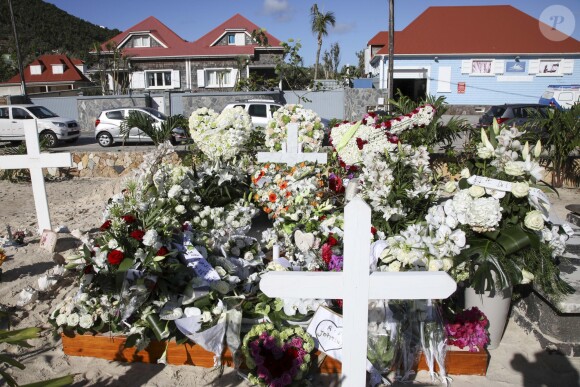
233	78
567	66
200	78
175	79
240	39
444	80
138	80
498	66
466	66
534	66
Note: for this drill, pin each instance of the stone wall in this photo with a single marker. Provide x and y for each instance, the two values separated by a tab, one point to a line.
357	100
89	108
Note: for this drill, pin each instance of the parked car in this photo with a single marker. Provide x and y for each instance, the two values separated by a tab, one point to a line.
512	114
51	127
561	96
108	126
260	110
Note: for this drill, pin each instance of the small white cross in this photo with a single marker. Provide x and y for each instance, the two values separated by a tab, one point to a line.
292	155
35	161
355	286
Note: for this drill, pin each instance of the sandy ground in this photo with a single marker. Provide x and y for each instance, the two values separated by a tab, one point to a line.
78	204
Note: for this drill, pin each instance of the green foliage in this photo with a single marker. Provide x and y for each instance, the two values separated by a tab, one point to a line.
256	82
39	33
291	69
159	133
319	23
562	137
436	132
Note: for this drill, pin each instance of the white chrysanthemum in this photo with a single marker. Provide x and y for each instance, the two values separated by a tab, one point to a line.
310	128
150	237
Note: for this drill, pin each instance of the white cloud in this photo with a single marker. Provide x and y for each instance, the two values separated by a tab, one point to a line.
280	9
343	28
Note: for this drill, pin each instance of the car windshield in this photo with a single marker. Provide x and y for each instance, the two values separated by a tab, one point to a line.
156	113
495	111
41	112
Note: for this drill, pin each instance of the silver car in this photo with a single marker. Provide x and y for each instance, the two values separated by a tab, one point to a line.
108	126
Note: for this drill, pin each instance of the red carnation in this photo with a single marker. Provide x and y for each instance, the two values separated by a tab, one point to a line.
162	251
360	143
106	225
331	240
115	257
128	219
137	234
373	230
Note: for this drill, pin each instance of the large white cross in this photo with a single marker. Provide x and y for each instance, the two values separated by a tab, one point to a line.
35	161
355	286
292	155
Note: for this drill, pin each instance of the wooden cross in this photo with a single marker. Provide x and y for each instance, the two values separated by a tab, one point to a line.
35	161
355	286
292	154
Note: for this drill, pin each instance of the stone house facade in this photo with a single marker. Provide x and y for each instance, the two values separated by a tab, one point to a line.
160	60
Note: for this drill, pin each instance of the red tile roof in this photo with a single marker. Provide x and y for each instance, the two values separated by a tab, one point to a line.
496	29
177	47
70	74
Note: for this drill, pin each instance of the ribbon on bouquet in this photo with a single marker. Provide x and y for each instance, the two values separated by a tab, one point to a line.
536	197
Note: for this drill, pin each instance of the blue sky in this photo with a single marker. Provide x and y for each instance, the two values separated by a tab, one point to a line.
356	21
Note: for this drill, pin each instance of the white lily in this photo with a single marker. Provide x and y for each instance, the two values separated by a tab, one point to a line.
538	149
485	140
526	151
495	126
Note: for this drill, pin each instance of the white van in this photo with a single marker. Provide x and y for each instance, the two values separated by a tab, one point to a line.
561	96
51	127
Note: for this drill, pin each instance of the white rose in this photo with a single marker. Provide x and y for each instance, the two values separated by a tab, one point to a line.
150	238
534	220
447	264
450	186
435	265
465	174
86	321
514	168
476	191
520	190
61	319
395	266
484	152
72	320
180	209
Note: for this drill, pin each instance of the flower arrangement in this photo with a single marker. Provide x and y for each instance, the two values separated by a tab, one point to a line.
277	357
310	128
468	329
221	136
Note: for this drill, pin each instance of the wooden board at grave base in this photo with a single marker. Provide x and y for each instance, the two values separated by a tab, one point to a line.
113	348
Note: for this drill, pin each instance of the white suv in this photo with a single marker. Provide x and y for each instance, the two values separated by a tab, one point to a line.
51	127
261	110
108	126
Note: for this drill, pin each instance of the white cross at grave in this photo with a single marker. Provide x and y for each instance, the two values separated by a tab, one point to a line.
35	161
291	153
355	286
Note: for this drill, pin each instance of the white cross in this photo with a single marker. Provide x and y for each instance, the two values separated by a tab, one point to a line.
292	155
355	286
35	161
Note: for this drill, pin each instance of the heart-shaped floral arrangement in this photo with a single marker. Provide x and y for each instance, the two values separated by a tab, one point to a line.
277	358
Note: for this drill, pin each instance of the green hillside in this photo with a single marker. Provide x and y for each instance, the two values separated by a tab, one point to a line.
42	29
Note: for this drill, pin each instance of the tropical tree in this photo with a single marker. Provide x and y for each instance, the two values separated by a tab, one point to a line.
320	22
159	133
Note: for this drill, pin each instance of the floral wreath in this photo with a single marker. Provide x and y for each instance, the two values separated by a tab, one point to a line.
220	136
310	128
277	358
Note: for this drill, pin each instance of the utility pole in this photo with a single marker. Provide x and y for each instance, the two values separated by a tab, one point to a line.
18	57
391	91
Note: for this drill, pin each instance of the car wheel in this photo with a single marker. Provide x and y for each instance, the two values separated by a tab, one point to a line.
105	139
49	139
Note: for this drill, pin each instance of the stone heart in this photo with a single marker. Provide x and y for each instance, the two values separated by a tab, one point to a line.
304	241
329	335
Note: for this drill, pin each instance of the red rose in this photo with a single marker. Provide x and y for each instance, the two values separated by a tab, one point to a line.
115	257
331	240
373	230
106	225
137	234
162	251
128	219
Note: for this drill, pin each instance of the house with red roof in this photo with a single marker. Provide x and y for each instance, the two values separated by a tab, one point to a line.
476	55
159	60
49	73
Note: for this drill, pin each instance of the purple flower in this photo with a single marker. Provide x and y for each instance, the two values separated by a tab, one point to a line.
335	263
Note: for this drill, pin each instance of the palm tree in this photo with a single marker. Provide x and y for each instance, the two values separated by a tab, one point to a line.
320	22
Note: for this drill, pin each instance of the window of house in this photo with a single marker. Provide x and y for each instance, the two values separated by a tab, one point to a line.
481	67
142	41
159	79
57	69
218	78
36	70
231	39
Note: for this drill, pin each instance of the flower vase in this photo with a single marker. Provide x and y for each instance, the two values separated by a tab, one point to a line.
495	306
